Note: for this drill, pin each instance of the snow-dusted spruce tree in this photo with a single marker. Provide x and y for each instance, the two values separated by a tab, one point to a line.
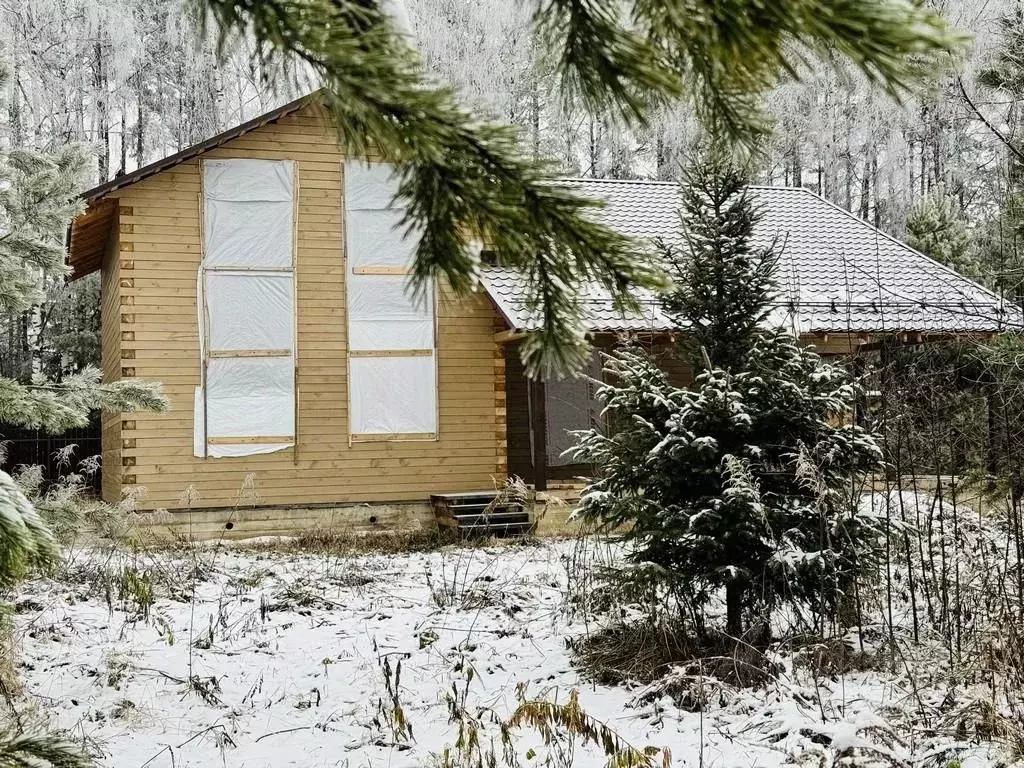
935	229
744	479
38	198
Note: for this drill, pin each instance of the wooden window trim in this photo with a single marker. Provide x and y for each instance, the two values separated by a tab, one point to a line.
239	353
390	353
252	440
394	437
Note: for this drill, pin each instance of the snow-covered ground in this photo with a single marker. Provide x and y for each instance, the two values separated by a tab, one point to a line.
285	654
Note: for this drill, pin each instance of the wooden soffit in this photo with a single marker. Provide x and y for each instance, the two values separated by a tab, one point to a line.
87	237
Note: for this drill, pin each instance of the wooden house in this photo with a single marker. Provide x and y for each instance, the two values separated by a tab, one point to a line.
259	275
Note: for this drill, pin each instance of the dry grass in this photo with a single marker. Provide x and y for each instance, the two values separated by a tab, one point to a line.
9	686
384	542
328	541
834	657
645	652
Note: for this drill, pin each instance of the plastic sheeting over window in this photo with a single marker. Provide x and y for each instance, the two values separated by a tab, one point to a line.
382	316
250	311
379	238
393	395
391	336
247	309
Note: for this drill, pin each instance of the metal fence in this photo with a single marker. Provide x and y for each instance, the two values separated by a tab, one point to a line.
19	446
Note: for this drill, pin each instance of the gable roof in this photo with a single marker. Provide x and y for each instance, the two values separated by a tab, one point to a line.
88	233
837	273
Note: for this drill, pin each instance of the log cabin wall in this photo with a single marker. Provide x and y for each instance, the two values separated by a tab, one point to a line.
155	336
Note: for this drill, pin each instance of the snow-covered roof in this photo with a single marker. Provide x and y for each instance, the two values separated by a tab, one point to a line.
837	273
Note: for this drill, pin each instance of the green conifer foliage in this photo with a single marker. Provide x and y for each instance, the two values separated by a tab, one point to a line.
38	198
743	480
25	542
935	229
722	285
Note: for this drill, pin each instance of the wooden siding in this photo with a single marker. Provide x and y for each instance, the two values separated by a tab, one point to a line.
160	230
110	362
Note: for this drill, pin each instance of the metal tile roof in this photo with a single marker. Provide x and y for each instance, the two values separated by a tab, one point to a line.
837	273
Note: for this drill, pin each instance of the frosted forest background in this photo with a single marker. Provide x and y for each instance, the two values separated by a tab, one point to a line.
409	649
139	80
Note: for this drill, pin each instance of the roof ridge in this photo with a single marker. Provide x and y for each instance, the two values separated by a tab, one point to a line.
669	183
780	188
588	179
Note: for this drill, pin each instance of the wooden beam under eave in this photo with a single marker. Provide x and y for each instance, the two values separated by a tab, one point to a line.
503	337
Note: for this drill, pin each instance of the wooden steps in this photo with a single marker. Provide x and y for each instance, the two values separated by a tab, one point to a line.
478	514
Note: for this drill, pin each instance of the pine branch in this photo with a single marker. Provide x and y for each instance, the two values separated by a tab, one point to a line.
725	54
56	407
40	751
614	69
26	544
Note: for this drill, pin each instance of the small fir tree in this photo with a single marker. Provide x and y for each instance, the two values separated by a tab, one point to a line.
742	480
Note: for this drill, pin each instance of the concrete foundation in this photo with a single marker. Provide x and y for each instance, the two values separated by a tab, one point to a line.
247	523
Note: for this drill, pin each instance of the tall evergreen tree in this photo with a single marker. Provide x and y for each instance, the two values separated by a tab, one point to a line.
38	197
741	480
722	285
1003	77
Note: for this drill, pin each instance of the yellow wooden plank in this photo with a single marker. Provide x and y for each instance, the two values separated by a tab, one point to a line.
228	353
397	436
245	270
251	440
390	352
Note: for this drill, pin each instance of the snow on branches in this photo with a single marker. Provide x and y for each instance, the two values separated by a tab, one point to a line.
745	478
